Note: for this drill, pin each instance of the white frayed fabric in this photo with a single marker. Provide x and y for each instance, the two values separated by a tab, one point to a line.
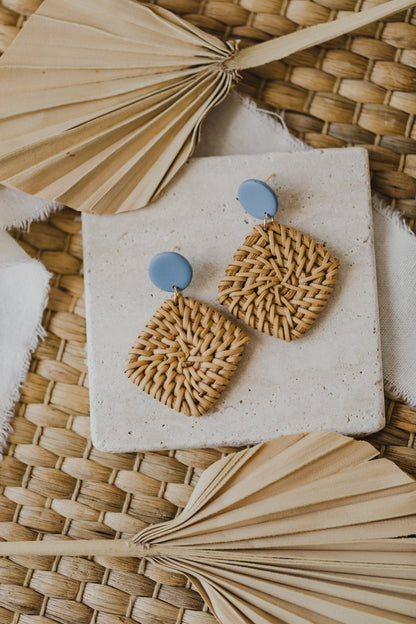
24	287
18	209
396	276
237	126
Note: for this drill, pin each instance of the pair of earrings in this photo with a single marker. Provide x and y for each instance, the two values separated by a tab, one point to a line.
277	282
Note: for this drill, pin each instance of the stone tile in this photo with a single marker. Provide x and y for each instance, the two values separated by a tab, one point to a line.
329	379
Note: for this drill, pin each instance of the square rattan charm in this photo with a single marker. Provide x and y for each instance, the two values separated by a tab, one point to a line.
186	355
278	281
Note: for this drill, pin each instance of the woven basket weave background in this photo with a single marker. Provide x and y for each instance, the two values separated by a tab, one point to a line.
356	90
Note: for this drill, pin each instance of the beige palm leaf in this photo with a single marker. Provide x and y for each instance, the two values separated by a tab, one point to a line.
305	529
102	102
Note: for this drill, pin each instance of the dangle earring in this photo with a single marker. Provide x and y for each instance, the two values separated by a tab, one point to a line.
188	351
279	279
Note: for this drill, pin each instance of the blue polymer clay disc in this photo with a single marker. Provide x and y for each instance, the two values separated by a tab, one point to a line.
168	269
258	198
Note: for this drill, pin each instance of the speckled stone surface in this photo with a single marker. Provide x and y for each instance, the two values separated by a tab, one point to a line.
329	379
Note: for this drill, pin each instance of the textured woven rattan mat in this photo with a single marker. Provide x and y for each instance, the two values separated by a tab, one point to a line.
52	480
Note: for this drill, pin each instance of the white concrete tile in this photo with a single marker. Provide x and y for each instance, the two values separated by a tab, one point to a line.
329	379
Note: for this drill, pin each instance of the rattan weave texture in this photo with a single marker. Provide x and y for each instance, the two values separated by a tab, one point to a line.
52	480
186	355
278	281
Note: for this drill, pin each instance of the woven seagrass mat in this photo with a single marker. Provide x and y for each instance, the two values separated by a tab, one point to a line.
52	480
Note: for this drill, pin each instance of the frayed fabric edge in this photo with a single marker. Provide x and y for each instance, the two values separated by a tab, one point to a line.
18	209
271	117
41	214
381	206
396	394
39	334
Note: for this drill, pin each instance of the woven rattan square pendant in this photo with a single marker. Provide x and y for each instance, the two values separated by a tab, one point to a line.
279	280
186	354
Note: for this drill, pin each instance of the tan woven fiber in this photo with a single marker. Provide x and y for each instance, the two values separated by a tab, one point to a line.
53	483
186	355
278	281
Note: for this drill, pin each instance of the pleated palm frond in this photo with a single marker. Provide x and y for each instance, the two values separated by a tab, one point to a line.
306	529
102	101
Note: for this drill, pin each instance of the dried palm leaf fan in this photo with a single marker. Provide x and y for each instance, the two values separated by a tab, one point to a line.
303	529
102	101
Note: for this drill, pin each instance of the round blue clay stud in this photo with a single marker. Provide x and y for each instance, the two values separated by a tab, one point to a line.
257	198
169	269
